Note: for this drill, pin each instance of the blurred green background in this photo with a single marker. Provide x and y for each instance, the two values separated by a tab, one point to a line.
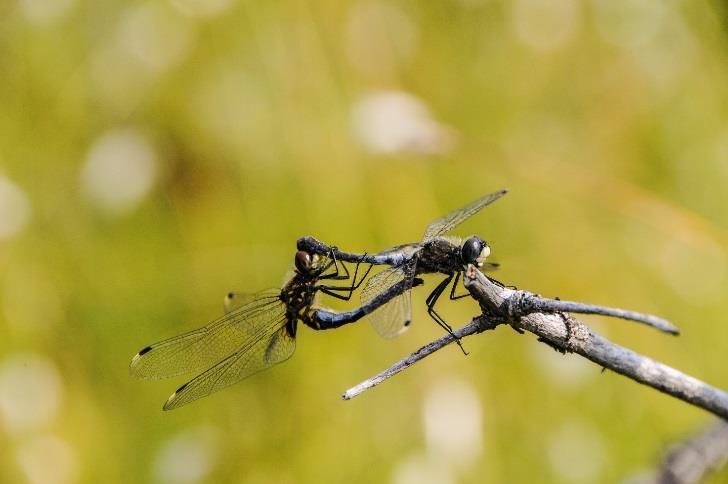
155	155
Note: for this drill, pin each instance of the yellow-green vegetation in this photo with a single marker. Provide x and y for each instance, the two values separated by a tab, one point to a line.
155	155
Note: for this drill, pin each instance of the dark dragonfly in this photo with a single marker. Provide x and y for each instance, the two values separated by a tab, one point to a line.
257	331
436	253
386	298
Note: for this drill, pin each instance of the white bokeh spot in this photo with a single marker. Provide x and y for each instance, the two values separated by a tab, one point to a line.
48	459
120	170
30	392
14	209
188	457
392	122
156	36
453	422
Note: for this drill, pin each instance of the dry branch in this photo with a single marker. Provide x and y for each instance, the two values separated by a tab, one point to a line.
527	311
690	461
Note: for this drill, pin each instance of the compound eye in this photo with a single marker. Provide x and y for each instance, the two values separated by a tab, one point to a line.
471	250
303	261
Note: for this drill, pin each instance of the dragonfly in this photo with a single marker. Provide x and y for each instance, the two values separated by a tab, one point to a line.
257	331
436	253
386	297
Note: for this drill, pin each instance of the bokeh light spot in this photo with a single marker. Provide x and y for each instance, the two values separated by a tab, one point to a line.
628	23
14	209
120	170
422	469
453	422
45	11
390	122
30	391
187	457
156	36
545	24
48	460
576	452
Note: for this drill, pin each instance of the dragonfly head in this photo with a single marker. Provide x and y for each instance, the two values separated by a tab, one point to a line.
474	251
304	261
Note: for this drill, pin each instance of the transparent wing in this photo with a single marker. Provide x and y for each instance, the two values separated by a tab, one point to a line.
271	345
234	300
455	218
408	250
201	348
393	318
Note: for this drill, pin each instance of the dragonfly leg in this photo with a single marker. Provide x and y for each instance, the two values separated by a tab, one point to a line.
454	297
335	275
332	290
432	300
499	283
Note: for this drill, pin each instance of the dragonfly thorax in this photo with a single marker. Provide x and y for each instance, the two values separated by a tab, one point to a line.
298	296
441	254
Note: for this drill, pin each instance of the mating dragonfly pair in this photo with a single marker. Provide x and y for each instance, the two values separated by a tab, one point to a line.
259	330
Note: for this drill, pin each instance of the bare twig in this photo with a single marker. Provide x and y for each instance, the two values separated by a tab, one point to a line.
533	302
689	462
477	325
503	305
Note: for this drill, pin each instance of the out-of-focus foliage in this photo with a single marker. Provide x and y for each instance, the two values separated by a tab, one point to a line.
156	154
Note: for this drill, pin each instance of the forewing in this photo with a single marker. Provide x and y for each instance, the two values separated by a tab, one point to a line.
201	348
456	217
271	345
235	300
393	318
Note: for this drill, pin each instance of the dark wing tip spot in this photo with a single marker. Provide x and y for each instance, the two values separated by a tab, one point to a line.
170	403
407	323
144	351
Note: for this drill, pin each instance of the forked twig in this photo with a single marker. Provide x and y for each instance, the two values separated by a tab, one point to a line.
525	311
